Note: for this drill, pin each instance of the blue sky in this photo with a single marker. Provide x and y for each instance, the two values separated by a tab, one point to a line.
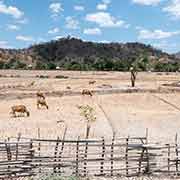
27	22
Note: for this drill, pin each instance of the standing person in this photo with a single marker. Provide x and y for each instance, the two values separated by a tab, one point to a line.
133	76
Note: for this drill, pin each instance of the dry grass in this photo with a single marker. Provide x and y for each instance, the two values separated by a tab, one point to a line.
128	113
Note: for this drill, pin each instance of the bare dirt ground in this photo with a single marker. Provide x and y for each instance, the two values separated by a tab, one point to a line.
148	105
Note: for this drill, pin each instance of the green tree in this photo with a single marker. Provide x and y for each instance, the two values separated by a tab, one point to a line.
1	64
40	66
19	65
50	66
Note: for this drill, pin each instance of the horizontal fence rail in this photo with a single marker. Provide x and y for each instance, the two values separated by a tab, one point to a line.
131	156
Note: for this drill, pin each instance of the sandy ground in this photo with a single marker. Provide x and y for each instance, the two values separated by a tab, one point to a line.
122	113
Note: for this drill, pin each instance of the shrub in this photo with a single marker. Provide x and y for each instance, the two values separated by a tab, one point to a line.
61	77
40	66
1	64
50	66
42	76
168	67
19	65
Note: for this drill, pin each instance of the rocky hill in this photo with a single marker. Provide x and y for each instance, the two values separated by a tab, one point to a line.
75	54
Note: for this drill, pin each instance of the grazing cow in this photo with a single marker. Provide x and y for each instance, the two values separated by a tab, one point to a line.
68	87
20	109
40	95
92	82
41	103
87	92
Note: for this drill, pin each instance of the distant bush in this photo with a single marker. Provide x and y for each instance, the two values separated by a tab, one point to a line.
15	76
40	66
2	64
50	66
42	76
13	64
61	77
2	76
167	67
19	65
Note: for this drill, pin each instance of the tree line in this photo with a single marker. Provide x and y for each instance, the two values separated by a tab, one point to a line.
100	64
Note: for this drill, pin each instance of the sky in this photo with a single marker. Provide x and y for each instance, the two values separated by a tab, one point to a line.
27	22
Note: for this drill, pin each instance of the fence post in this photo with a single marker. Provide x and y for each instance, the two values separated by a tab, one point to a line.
140	161
55	154
85	158
103	155
126	156
39	150
169	150
8	154
147	130
77	157
176	149
62	148
17	146
147	170
31	152
8	149
112	154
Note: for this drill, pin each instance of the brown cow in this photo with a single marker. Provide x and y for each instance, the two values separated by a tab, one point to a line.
87	92
68	87
20	109
92	82
40	95
41	103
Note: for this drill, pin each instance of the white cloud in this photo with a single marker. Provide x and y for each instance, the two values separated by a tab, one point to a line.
5	45
40	40
156	34
25	38
10	10
72	23
92	31
106	1
55	9
53	31
102	6
147	2
79	8
104	41
13	27
22	21
139	28
57	37
173	8
104	19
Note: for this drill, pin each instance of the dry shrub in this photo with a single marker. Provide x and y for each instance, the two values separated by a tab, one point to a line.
31	84
89	114
61	77
15	76
42	76
2	76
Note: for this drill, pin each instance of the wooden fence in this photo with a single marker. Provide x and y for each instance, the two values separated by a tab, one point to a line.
131	156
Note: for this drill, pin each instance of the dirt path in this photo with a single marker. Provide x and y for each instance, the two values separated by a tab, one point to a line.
107	117
167	102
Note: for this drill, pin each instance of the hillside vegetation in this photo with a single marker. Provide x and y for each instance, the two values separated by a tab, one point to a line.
75	54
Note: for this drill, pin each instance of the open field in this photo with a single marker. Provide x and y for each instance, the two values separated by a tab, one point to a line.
149	105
